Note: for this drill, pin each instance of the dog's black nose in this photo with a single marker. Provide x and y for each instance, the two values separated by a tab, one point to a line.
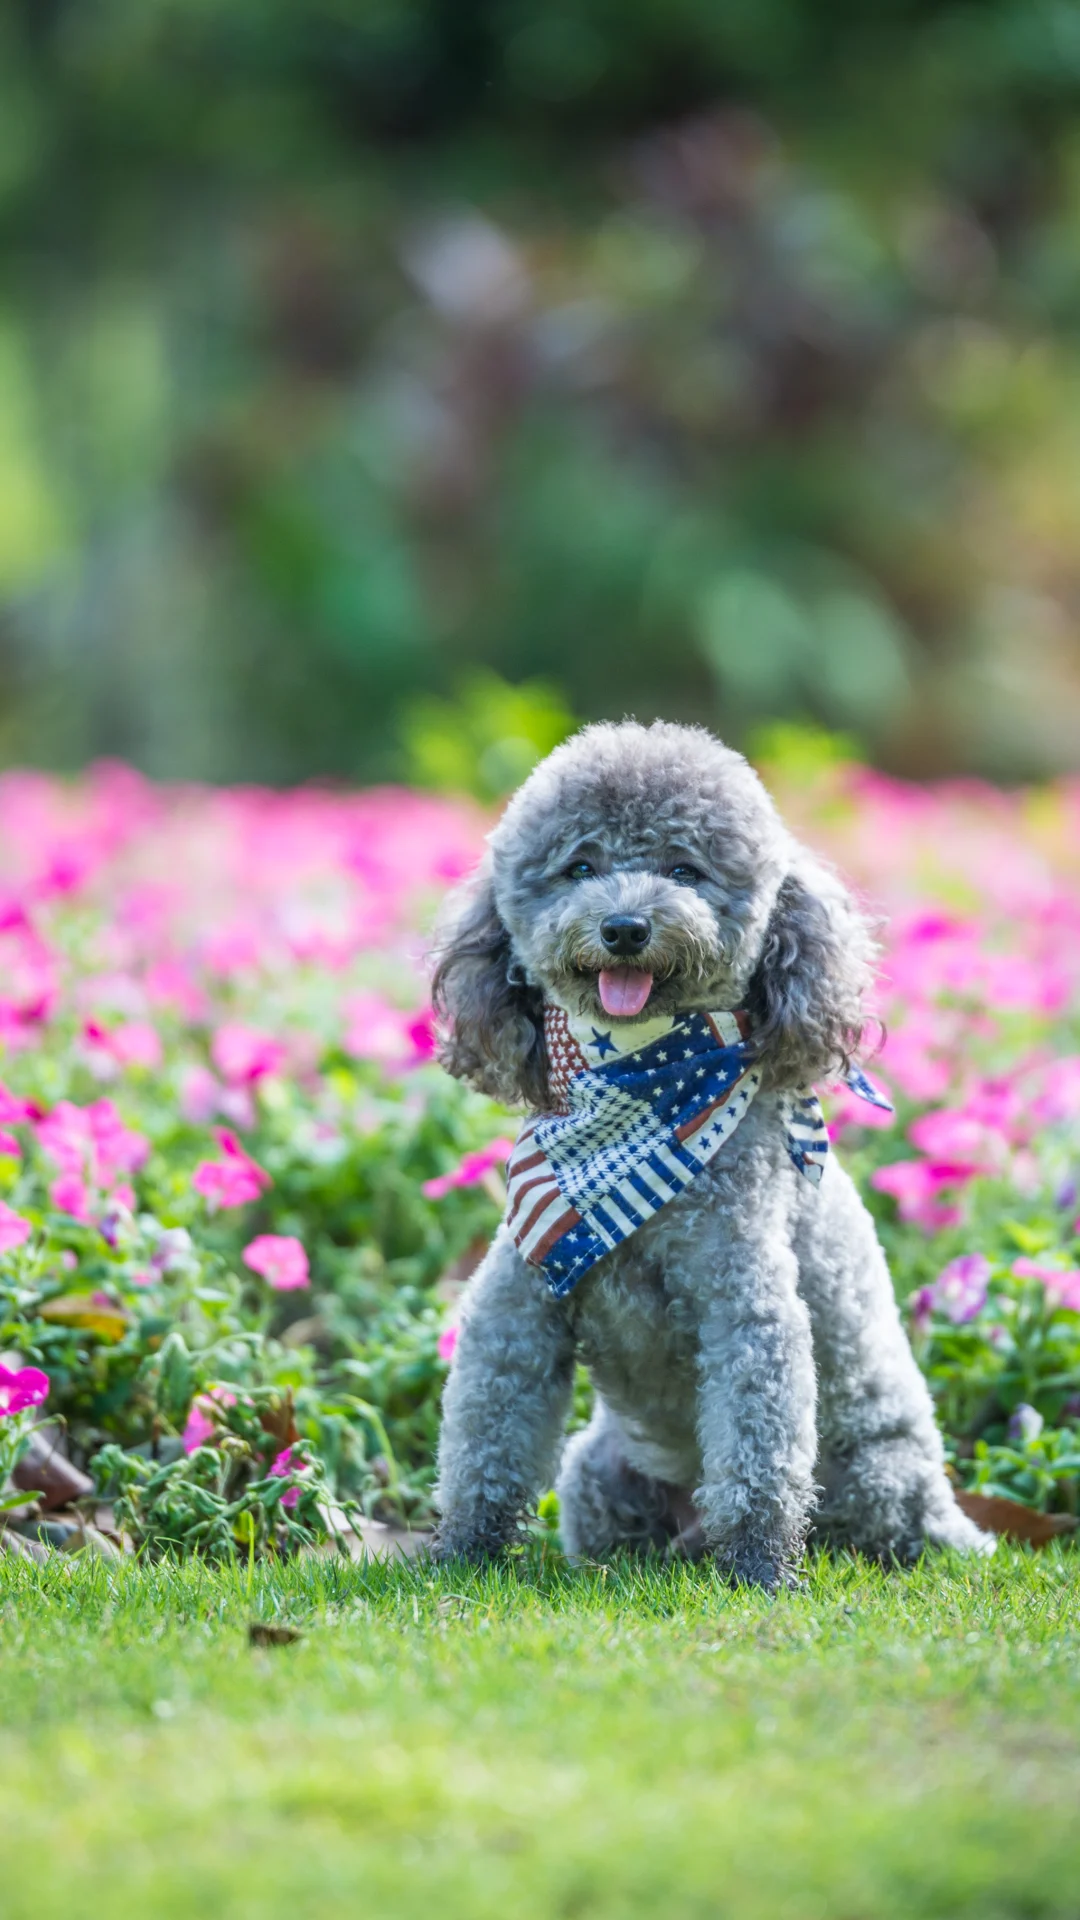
625	932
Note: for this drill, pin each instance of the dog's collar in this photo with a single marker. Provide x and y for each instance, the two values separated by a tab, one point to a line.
632	1124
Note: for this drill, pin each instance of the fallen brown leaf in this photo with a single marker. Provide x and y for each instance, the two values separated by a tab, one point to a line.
87	1311
278	1422
1010	1517
263	1633
46	1470
21	1549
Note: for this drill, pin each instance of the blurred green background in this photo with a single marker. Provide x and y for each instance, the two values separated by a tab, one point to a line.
364	362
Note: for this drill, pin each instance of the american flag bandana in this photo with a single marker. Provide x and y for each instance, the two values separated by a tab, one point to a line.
635	1117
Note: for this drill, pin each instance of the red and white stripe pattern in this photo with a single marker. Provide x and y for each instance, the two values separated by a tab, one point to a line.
537	1211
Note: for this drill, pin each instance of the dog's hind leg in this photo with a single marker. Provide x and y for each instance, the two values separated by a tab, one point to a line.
881	1461
605	1502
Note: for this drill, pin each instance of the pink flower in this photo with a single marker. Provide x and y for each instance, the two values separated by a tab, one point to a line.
233	950
21	1387
960	1288
280	1259
1060	1096
911	1057
243	1055
117	1148
471	1170
377	1030
203	1418
200	1092
9	1144
952	1133
916	1185
447	1342
64	1134
1062	1287
1026	1269
70	1194
92	1143
281	1470
228	1183
30	974
170	984
13	1111
135	1044
1065	1289
199	1429
14	1230
232	1181
421	1035
138	1044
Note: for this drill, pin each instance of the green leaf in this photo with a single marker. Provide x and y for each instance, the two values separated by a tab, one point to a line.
1032	1238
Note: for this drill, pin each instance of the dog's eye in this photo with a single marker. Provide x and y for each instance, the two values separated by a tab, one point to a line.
580	870
685	876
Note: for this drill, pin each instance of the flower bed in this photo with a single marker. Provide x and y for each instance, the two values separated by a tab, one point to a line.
237	1196
975	1182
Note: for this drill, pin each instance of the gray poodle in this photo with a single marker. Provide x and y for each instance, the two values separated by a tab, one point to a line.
752	1375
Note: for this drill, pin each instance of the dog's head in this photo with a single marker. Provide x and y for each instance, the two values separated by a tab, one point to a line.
644	870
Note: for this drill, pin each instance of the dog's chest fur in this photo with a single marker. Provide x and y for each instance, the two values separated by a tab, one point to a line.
637	1315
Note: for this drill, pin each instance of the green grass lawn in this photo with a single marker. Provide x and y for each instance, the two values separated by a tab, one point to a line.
606	1742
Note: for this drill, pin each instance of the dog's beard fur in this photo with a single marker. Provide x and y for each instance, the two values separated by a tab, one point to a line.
563	953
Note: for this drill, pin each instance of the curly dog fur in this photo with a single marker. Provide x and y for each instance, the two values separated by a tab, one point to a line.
751	1371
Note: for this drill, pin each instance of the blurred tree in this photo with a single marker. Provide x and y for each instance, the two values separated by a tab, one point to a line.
719	361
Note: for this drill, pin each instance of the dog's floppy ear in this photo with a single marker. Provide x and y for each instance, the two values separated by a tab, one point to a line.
495	1039
807	992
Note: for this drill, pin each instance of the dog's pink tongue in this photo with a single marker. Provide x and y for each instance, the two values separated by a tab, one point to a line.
624	990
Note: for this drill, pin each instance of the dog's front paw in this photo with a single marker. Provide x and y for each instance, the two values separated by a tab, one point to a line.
475	1545
749	1561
